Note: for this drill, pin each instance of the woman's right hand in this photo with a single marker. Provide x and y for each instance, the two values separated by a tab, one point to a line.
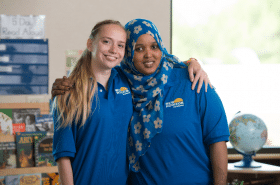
60	86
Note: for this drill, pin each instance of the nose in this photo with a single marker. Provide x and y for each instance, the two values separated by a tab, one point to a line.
148	53
113	49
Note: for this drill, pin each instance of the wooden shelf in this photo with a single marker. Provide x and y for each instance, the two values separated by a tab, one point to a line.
32	170
44	107
257	157
264	169
8	138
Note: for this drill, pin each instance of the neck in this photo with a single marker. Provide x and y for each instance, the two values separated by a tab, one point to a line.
102	76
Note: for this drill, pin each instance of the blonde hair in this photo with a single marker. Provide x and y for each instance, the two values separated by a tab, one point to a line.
75	105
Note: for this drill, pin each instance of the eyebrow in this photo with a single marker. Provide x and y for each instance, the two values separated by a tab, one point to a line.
143	44
112	39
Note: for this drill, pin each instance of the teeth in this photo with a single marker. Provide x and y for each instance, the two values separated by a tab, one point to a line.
111	57
148	64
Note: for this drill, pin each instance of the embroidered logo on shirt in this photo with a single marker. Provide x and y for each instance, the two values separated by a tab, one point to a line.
178	102
122	90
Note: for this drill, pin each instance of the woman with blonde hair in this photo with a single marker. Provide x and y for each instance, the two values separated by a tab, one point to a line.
92	119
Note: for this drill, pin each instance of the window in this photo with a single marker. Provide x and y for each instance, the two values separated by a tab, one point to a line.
238	42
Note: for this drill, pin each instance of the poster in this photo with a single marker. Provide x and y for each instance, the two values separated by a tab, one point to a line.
72	57
24	27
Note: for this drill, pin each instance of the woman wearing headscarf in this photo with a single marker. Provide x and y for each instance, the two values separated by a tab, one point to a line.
176	136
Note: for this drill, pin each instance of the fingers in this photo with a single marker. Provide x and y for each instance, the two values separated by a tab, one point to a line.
206	85
60	86
204	78
196	78
57	92
61	83
67	82
200	83
191	75
200	78
207	82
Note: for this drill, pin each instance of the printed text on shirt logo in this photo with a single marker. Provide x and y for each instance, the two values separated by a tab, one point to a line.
178	102
122	90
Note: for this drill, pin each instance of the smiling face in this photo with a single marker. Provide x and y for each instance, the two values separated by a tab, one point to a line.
108	47
147	54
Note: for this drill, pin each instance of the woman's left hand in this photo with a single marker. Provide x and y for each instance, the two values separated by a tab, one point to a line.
197	73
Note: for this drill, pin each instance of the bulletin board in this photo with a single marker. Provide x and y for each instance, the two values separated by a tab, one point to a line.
24	66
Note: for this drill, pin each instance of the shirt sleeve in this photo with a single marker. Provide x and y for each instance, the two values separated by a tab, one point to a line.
63	140
213	118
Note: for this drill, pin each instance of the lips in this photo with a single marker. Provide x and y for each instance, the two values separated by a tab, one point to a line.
111	58
148	64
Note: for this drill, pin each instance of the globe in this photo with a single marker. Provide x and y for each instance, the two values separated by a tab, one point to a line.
248	134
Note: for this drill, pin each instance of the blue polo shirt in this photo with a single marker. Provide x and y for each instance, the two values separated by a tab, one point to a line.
192	121
98	149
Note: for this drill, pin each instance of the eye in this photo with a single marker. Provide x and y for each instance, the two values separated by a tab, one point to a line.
121	46
155	46
139	49
105	41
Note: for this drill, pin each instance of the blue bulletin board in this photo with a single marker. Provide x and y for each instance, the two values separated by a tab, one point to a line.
24	66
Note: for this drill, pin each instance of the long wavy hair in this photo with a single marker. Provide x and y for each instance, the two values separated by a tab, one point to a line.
75	105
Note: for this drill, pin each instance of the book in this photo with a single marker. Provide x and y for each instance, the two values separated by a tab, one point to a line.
30	179
12	180
2	180
6	127
43	151
26	118
44	122
7	155
25	148
2	160
50	179
18	127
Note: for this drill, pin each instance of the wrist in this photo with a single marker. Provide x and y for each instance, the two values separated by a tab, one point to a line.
188	62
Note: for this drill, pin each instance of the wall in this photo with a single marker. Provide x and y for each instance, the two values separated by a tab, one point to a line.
69	22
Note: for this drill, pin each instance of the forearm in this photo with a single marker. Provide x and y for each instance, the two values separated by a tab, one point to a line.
219	161
65	171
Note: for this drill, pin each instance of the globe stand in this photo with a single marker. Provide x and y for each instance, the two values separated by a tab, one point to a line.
247	161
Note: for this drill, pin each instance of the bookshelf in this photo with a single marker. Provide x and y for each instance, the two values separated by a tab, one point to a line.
44	107
31	170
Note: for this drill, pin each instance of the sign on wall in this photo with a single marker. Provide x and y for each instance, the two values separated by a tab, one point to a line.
22	27
72	57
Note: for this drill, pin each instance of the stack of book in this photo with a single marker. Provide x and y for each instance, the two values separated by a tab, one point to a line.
32	146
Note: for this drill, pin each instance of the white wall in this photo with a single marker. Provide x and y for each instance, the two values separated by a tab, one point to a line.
69	22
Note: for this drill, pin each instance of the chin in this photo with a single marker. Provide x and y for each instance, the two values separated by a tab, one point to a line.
148	72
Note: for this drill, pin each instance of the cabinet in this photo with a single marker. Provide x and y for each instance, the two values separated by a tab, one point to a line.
266	174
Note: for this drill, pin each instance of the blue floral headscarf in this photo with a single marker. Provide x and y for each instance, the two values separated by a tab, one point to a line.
147	119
